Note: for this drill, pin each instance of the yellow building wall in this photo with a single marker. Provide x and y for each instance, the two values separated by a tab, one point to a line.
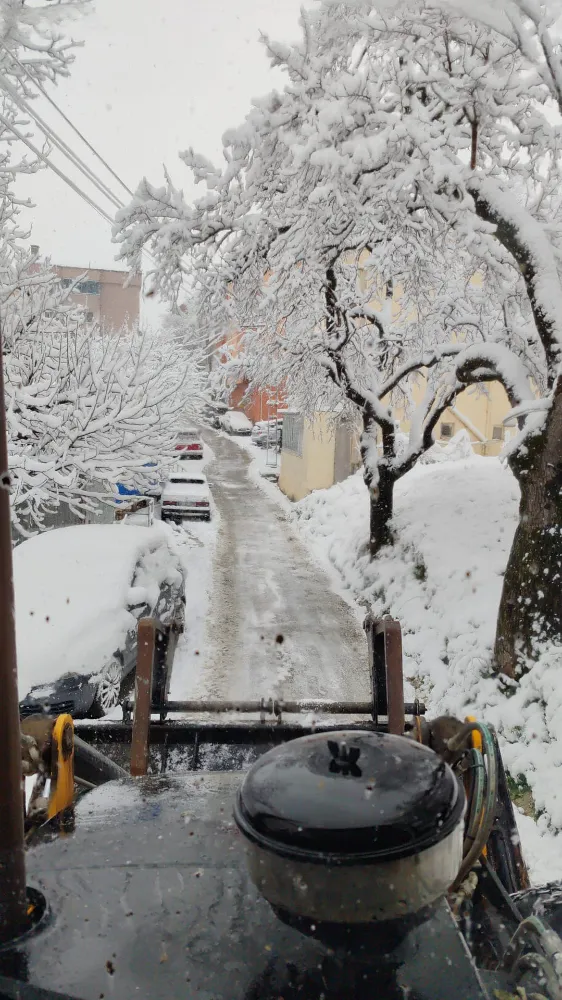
478	410
299	475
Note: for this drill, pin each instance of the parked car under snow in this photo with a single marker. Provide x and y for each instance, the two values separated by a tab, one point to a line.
79	594
189	444
186	494
236	422
267	433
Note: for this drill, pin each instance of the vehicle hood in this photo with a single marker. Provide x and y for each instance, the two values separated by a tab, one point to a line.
72	589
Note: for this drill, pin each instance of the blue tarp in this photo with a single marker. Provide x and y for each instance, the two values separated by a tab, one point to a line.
125	491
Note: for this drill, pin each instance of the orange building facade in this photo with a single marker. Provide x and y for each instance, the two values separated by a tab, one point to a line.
257	404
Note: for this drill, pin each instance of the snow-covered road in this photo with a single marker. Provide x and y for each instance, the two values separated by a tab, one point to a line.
262	619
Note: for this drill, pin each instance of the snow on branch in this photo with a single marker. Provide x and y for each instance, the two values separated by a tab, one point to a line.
495	362
84	408
526	239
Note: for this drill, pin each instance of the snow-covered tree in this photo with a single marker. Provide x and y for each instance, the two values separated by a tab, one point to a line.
294	264
85	408
416	143
31	45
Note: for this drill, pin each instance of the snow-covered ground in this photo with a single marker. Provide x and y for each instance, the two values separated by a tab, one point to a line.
454	523
263	470
261	618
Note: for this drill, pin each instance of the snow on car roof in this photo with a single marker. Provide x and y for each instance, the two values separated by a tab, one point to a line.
238	416
72	587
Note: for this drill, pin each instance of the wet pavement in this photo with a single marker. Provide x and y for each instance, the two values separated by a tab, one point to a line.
272	625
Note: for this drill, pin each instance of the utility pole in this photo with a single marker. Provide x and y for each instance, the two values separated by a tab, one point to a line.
12	849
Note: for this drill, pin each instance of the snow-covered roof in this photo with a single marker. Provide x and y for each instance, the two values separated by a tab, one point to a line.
72	587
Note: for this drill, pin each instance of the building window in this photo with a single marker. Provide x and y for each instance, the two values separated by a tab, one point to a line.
497	433
447	430
89	287
89	316
85	287
293	427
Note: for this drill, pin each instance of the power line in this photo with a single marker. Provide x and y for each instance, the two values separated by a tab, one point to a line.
59	143
22	138
45	93
74	158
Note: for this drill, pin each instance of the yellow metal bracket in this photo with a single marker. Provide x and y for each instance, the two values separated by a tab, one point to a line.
476	738
61	798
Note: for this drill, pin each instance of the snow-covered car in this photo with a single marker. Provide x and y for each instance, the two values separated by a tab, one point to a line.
79	594
212	413
189	444
261	436
186	494
236	422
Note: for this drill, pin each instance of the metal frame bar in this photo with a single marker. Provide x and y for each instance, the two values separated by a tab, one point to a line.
271	706
386	710
384	642
251	733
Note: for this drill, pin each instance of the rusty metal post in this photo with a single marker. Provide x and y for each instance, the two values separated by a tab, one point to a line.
384	639
394	676
146	644
12	857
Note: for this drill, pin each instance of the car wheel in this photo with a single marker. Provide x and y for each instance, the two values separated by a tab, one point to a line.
108	692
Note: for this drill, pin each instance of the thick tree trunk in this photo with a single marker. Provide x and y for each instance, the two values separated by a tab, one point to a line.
530	611
381	500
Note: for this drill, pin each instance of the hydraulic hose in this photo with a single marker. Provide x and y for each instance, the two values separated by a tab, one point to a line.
550	963
476	798
488	814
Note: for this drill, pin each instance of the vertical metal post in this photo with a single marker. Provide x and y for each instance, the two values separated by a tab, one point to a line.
271	403
394	676
12	858
384	639
143	695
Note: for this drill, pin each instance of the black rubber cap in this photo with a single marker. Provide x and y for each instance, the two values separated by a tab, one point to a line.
349	797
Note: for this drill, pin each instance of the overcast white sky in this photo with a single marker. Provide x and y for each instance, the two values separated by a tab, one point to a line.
152	78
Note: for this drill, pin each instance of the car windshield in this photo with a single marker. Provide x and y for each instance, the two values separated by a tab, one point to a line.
304	259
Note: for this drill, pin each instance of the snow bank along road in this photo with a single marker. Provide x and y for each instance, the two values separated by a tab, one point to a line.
261	617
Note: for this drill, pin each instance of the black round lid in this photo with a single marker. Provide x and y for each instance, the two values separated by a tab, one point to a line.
347	797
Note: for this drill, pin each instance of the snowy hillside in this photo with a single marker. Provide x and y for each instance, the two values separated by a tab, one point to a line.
454	523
